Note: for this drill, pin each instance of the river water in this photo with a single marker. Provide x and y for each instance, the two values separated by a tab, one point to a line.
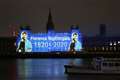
43	69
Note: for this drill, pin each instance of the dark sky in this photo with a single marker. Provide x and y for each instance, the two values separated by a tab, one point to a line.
87	13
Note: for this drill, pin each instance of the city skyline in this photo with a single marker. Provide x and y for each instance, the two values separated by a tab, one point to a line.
88	14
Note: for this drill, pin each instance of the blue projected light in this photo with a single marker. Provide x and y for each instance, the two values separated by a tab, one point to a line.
47	42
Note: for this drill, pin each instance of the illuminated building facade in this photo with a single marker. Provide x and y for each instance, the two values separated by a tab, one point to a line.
51	41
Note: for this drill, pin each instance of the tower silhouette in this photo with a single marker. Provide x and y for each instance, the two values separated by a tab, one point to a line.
50	25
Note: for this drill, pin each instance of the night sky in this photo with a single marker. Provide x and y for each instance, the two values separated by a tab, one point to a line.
88	14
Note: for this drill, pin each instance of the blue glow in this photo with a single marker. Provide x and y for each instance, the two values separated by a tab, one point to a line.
51	41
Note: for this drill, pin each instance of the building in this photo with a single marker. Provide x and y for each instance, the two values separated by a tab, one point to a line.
7	45
50	24
101	44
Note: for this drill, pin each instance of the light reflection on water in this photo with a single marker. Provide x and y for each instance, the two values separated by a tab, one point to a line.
43	68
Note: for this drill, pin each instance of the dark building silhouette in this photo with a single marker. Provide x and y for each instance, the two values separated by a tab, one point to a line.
98	44
102	30
7	45
50	24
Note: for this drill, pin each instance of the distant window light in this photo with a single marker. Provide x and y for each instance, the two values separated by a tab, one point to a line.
118	42
114	43
95	48
14	33
106	48
103	48
110	43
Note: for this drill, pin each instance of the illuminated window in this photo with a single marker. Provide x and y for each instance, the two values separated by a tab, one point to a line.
118	42
103	48
110	43
95	48
114	43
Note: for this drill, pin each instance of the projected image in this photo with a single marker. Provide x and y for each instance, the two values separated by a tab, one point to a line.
75	45
49	42
24	45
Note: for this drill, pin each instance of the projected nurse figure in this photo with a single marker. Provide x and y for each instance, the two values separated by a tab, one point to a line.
75	45
24	45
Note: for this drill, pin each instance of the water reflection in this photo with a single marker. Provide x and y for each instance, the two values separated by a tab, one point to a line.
7	69
43	68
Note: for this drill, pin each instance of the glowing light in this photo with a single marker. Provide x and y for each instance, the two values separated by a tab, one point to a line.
103	48
118	42
110	43
114	43
47	42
